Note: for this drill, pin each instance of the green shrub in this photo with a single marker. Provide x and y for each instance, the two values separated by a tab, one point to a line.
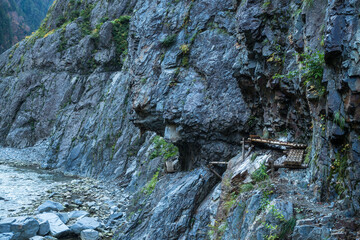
185	48
266	4
253	157
60	21
260	174
246	187
120	34
311	70
287	228
230	202
308	155
164	149
339	120
85	14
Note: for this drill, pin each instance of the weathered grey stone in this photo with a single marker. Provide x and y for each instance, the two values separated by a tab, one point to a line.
57	227
309	232
50	206
5	224
37	238
89	234
64	217
84	223
44	228
78	92
21	227
6	236
77	214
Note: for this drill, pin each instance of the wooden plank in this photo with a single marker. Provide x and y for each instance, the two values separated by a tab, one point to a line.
214	172
302	166
276	142
243	149
212	163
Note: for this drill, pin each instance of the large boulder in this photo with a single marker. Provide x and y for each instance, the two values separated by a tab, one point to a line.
44	228
89	234
85	223
57	227
21	227
50	206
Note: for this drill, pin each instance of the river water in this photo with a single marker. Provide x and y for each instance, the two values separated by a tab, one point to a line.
19	186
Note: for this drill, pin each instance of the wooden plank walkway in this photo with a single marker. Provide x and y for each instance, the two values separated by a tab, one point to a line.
293	160
295	154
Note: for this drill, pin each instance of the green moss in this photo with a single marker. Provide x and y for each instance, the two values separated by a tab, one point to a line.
339	167
339	120
185	61
150	186
266	4
169	40
308	154
143	80
164	149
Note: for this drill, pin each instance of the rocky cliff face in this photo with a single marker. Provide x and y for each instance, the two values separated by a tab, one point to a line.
100	78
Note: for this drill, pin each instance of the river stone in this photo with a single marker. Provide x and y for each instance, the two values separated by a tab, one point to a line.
77	214
37	238
89	234
49	238
57	227
21	227
44	228
5	225
6	236
50	206
84	223
64	217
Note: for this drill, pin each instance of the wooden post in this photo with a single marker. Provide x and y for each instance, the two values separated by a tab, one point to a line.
243	149
214	172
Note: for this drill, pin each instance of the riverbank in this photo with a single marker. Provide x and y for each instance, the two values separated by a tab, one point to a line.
104	202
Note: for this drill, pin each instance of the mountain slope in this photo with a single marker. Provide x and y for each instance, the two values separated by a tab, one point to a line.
99	79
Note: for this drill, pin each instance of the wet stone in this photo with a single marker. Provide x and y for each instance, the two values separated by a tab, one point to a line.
89	234
50	206
85	223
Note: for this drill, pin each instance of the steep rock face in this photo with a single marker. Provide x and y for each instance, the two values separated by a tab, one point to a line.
99	78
